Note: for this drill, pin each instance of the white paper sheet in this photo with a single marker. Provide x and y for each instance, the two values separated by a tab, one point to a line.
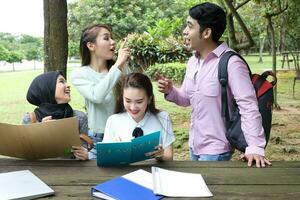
179	184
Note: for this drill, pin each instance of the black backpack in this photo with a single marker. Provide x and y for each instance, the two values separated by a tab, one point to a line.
264	94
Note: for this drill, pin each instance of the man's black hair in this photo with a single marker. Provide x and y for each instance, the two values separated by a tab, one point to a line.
210	15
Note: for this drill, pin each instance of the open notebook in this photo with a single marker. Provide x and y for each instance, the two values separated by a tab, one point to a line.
124	153
22	185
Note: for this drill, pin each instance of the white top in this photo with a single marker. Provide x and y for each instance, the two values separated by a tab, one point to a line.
120	127
97	90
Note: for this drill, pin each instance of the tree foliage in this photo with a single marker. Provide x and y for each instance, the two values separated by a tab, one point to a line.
163	18
12	47
4	53
15	57
124	16
292	24
32	47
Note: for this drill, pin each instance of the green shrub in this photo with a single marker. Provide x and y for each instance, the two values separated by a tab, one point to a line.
171	50
143	50
174	71
165	27
147	50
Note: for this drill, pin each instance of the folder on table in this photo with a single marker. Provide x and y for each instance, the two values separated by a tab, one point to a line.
133	186
124	153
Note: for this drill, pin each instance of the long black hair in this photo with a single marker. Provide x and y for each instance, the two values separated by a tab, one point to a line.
139	81
90	34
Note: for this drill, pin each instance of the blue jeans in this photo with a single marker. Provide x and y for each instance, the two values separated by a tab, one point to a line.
207	157
96	137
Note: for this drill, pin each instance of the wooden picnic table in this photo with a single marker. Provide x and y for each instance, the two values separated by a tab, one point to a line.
71	179
290	56
296	57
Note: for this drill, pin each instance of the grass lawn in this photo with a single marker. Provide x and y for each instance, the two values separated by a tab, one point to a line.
285	136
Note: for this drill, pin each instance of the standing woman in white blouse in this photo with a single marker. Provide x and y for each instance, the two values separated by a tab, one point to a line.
137	116
97	77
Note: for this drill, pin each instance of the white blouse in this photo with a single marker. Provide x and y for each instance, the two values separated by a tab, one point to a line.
119	127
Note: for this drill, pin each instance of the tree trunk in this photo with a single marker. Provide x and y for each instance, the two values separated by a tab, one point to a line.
268	17
273	50
282	33
231	32
55	35
250	42
269	40
261	48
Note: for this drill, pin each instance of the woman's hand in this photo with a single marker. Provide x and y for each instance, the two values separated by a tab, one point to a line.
80	152
157	154
47	119
123	55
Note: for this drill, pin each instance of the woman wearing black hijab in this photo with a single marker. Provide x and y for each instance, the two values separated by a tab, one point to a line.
51	94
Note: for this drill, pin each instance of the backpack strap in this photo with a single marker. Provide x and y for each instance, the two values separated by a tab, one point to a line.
223	79
32	117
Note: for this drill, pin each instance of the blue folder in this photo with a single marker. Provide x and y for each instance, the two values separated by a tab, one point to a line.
122	189
124	153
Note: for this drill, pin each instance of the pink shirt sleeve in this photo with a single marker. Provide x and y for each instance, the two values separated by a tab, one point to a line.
178	96
244	95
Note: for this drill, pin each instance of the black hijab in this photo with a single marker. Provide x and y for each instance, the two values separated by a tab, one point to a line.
42	94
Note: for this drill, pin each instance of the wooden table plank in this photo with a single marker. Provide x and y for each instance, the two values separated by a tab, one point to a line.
173	164
217	176
220	192
73	179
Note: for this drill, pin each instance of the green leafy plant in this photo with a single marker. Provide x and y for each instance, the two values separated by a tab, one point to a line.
174	71
143	50
172	50
146	50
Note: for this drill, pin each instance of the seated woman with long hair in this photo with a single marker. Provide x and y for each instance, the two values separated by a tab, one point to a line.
136	115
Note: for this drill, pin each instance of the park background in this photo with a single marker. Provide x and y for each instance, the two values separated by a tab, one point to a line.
262	31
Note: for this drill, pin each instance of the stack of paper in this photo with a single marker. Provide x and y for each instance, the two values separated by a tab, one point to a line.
179	184
22	185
